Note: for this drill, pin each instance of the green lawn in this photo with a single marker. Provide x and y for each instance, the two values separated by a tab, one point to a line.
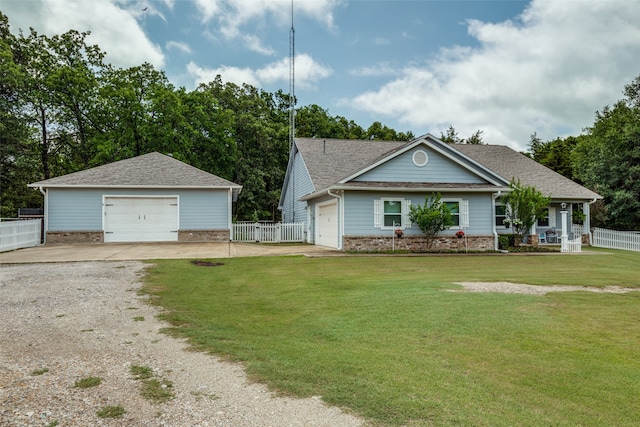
382	337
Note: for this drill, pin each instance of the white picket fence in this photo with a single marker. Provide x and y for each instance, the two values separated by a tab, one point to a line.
612	239
266	232
19	234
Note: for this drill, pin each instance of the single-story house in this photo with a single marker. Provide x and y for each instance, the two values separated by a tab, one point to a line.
354	195
149	198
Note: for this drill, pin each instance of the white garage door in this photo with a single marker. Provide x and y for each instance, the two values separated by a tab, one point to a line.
327	223
141	219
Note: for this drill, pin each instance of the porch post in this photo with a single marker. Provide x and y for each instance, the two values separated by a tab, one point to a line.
564	247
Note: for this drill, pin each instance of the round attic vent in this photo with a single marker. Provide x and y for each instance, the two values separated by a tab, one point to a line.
420	158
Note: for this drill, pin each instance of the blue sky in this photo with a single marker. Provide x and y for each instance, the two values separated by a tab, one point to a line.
507	67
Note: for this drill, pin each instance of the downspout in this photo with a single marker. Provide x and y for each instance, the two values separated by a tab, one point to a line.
340	217
230	214
588	218
494	196
46	214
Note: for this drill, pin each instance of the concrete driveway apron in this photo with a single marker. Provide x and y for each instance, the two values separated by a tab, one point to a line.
144	251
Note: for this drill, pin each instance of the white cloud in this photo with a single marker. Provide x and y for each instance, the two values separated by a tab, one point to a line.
208	8
234	16
381	41
545	72
228	74
112	27
308	73
183	47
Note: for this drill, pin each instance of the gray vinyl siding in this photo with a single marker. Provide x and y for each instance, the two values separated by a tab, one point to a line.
204	210
81	209
299	185
359	210
439	169
74	209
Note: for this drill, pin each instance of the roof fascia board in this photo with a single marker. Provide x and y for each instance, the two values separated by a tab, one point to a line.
177	187
442	148
404	190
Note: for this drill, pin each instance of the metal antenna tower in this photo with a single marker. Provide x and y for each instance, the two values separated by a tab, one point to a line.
292	78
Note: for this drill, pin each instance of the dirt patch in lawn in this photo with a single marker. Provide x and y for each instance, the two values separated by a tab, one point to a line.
520	288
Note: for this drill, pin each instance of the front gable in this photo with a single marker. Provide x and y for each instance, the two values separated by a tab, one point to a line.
421	164
430	161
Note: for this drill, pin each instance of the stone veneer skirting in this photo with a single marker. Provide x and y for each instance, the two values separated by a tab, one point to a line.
203	235
70	237
417	243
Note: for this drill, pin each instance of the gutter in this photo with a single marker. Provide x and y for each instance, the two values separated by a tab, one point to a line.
340	217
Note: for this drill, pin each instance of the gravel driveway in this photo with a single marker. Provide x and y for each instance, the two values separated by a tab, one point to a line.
75	320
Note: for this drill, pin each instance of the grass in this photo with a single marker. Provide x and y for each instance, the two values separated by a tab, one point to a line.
381	336
141	372
88	382
138	319
157	390
153	389
111	412
39	372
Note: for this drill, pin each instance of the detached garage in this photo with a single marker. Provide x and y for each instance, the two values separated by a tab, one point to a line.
149	198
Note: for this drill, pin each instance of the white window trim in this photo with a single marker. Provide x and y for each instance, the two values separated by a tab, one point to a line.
378	213
551	216
463	215
506	215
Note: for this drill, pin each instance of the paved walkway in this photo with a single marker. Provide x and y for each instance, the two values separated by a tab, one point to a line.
143	251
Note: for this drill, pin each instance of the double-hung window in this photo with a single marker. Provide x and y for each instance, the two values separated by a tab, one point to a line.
391	213
548	219
501	215
459	210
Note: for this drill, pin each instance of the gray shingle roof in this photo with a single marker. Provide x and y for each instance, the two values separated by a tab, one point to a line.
509	164
149	170
329	161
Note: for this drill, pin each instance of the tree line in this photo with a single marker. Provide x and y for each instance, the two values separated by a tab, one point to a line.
605	158
64	109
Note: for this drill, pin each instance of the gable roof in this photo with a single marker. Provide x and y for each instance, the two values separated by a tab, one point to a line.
330	160
331	163
152	170
511	164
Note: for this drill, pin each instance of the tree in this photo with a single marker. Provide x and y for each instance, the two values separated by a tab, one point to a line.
476	138
557	154
452	137
16	162
432	217
608	159
523	205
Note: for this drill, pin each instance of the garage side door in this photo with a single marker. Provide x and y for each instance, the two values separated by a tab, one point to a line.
327	223
141	219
